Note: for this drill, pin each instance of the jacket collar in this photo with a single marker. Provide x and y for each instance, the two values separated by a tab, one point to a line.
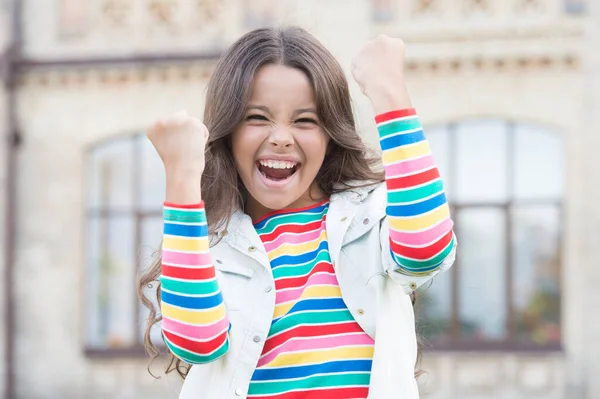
355	192
241	235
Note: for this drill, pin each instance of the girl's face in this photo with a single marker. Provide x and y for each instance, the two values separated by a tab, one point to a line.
279	146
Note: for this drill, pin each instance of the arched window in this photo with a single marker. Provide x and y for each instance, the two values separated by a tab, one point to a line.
125	186
505	185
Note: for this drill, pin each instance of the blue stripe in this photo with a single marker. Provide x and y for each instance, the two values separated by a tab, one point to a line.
318	304
306	371
400	140
418	208
299	259
185	230
206	302
320	209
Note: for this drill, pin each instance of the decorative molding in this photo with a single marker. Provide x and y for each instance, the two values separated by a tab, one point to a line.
132	21
199	72
115	14
113	77
498	65
476	7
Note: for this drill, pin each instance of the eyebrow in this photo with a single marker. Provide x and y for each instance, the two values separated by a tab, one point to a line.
297	112
303	110
259	107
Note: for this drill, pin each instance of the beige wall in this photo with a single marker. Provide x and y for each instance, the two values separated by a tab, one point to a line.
588	284
61	113
3	154
50	267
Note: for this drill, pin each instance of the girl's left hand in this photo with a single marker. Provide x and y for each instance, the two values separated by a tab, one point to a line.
379	63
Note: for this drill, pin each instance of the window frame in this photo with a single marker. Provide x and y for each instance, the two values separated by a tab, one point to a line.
104	212
509	344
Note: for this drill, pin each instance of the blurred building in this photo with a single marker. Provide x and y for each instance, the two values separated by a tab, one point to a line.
509	91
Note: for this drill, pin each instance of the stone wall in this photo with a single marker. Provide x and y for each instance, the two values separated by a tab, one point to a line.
524	78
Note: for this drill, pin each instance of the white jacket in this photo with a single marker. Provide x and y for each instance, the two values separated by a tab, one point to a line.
376	295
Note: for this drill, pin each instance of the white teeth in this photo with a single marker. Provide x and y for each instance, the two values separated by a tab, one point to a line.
278	164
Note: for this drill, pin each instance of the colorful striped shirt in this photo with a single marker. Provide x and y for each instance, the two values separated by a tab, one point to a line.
195	324
194	321
421	234
315	348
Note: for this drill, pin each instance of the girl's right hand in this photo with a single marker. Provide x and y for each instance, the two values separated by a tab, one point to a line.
180	141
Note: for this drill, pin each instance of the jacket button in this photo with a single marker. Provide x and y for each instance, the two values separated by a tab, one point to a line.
256	339
219	261
366	221
360	312
413	286
252	248
268	288
344	219
238	392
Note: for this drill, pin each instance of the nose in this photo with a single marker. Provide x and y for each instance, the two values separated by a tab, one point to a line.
281	137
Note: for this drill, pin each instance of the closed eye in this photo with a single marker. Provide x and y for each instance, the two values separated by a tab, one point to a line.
306	120
256	117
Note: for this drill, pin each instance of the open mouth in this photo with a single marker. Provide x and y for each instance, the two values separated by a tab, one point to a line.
277	170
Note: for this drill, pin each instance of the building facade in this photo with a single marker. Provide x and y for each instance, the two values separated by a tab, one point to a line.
509	92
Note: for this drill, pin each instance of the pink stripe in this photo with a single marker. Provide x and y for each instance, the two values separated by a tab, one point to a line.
411	166
169	257
315	279
195	332
423	237
292	238
336	341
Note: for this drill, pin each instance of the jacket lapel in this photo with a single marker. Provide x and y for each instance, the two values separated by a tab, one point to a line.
243	237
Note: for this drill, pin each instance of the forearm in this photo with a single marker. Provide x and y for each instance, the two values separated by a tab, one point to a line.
418	214
194	319
387	97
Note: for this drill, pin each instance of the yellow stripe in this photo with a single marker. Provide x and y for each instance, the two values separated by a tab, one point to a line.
181	244
317	291
193	317
296	359
401	153
420	222
295	249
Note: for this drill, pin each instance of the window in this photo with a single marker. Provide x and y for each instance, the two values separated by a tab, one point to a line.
505	187
575	7
125	190
73	18
383	10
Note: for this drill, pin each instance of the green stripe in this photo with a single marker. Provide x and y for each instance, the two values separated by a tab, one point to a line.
175	215
300	270
413	266
398	126
313	382
416	193
294	218
189	287
193	358
310	318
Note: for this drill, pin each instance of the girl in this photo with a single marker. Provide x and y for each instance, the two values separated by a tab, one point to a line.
304	292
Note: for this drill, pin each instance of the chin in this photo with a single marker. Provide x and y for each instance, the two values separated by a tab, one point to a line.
276	201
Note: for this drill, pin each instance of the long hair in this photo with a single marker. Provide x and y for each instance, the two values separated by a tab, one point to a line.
229	88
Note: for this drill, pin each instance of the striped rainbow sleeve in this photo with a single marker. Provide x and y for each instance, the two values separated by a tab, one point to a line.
194	324
421	234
